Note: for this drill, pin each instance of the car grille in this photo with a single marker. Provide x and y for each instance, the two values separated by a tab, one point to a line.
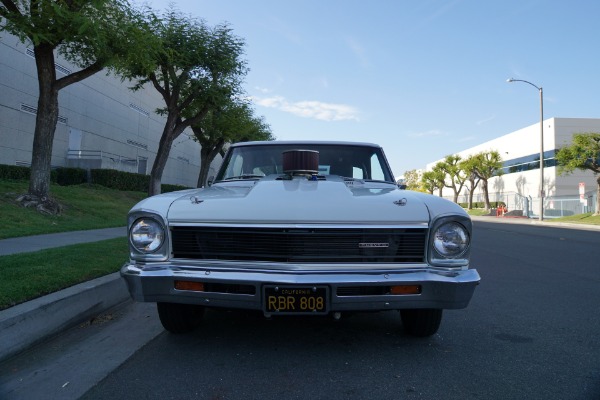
394	245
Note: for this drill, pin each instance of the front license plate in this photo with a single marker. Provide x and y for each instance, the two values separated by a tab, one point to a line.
295	299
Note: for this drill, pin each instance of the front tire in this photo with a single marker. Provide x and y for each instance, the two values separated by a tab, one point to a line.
421	322
180	318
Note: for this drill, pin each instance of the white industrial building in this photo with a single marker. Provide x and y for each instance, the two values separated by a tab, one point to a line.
519	186
102	124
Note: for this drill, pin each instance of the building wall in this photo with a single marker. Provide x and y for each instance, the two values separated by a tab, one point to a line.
101	121
526	142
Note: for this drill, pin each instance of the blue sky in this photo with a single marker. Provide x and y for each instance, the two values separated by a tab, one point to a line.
422	78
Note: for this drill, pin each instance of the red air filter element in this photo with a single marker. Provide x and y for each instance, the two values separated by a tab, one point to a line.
301	162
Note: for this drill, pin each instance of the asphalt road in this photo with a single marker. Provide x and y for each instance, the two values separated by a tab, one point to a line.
531	332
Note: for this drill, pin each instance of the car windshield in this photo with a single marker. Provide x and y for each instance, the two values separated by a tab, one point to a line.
346	160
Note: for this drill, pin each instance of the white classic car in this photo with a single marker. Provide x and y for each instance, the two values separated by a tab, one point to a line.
296	228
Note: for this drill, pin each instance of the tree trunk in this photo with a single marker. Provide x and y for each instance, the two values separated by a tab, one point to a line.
598	197
486	195
204	167
45	126
170	132
207	155
162	156
470	206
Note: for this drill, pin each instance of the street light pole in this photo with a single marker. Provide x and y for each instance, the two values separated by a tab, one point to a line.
542	194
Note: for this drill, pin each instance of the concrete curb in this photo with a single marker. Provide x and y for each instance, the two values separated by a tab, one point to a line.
27	324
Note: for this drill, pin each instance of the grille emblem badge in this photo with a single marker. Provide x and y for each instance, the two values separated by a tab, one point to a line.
373	245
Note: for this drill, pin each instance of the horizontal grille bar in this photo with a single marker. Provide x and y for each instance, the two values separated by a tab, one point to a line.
397	245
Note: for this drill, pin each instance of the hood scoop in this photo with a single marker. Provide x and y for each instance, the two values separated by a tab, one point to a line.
301	162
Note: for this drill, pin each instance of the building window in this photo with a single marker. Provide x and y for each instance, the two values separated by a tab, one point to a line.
530	162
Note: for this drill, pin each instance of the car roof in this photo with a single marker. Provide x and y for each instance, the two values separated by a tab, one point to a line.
303	142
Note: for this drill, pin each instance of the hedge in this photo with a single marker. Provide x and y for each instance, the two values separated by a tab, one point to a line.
14	172
70	176
109	178
120	180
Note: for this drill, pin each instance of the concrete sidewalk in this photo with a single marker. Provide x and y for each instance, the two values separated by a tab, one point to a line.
39	242
27	324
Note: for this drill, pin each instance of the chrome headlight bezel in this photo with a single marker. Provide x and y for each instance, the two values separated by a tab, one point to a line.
450	241
157	248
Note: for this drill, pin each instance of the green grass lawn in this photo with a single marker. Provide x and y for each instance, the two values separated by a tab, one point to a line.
85	207
30	275
587	218
477	212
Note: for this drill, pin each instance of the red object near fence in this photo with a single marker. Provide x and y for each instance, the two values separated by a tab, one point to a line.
501	210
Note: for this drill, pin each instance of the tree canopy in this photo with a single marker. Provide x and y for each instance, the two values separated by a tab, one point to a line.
231	122
582	154
412	179
454	172
195	68
486	165
432	180
91	35
455	177
468	166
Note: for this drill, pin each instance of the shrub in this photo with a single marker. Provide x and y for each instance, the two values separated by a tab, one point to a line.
14	172
171	188
70	176
120	180
109	178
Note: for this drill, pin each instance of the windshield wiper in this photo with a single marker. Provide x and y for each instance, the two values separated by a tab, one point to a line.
379	181
244	176
347	179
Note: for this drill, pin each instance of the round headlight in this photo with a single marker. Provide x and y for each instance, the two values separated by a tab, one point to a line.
451	240
146	235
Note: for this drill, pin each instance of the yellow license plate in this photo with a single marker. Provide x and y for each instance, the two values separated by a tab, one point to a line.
295	299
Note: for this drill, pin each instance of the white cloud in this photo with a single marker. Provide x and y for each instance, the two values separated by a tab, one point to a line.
262	89
310	109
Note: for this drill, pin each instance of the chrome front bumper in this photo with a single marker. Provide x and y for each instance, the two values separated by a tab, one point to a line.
439	289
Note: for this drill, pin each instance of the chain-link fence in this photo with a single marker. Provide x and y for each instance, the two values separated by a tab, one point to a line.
554	207
564	206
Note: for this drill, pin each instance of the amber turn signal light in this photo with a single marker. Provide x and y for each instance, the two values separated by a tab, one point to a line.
188	285
405	289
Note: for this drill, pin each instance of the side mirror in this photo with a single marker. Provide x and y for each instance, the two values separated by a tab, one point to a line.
401	186
210	181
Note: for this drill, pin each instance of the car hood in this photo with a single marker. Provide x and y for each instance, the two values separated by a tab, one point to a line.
298	201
